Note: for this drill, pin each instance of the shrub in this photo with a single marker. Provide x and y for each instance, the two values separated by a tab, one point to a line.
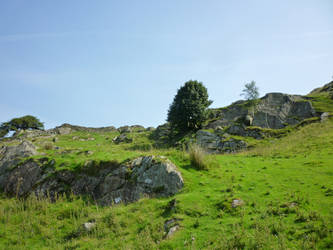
197	157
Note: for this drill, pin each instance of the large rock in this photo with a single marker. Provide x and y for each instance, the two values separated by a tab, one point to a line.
107	182
274	110
10	157
242	130
214	143
122	138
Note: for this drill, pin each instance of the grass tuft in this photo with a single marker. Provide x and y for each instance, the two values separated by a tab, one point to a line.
198	157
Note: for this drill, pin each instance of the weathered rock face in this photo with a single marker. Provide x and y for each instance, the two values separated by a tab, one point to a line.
241	130
108	183
10	156
122	138
274	110
214	143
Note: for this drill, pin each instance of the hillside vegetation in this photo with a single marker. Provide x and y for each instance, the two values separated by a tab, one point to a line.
278	194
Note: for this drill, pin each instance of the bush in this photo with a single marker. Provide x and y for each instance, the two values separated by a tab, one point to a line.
198	157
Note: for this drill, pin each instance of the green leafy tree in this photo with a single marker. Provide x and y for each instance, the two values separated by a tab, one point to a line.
250	91
25	122
189	107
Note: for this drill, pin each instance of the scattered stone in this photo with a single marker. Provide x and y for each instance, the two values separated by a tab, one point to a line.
122	138
236	203
324	116
89	226
172	230
124	129
171	226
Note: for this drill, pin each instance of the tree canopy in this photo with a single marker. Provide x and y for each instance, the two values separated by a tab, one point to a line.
189	107
24	122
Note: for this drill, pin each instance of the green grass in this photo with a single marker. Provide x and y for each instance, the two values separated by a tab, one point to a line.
322	102
286	185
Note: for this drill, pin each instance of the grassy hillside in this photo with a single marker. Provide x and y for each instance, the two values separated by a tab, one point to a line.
285	186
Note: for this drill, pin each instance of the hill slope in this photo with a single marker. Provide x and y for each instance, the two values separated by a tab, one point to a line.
276	195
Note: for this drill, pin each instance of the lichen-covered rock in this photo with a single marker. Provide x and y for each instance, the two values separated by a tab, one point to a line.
109	183
274	110
241	130
122	138
11	155
22	179
124	129
214	143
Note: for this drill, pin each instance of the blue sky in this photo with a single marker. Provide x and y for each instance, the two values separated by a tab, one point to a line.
101	63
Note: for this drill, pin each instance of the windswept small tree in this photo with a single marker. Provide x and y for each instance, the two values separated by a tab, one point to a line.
24	122
189	107
250	91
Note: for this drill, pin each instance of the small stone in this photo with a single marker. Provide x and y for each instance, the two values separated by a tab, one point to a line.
172	230
236	203
117	200
88	226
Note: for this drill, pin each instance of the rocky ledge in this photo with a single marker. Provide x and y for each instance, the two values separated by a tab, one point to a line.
274	110
107	183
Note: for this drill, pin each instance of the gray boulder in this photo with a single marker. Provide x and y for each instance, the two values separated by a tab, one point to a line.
108	183
122	138
10	157
124	129
274	110
241	130
214	143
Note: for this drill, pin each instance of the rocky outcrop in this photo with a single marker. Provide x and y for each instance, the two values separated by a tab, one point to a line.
122	138
214	143
242	130
64	129
274	110
68	128
10	156
107	182
326	88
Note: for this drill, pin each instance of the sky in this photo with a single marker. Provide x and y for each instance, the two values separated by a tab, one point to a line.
113	63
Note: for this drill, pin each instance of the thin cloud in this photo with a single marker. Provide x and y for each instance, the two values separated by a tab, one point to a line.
30	36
